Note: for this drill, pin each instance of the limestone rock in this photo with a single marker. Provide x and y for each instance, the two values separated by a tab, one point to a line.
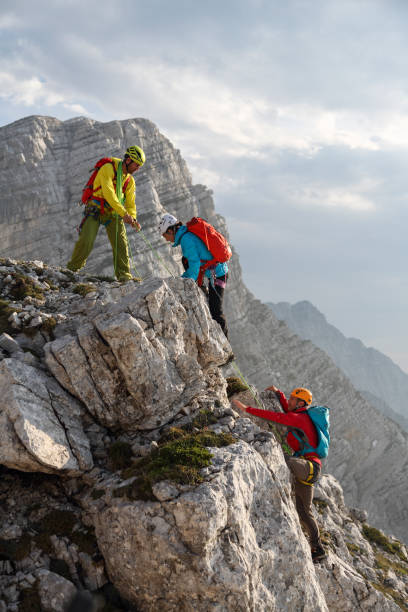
40	423
136	362
55	591
228	544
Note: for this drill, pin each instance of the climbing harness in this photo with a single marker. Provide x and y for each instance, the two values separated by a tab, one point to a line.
313	474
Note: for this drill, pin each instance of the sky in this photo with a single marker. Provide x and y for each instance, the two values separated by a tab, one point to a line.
294	113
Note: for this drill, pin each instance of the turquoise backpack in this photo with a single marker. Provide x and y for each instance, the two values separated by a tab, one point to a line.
321	420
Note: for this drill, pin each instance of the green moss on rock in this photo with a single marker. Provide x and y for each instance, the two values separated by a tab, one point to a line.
49	325
204	418
235	385
384	563
174	433
354	549
320	505
392	546
24	286
5	311
83	289
179	460
391	593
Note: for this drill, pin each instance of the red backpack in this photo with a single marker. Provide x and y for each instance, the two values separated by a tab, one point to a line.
88	190
213	240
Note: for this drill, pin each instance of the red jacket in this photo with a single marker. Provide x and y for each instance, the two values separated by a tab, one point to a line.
299	419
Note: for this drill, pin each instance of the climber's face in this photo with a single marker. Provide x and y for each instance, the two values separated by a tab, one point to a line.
169	235
294	402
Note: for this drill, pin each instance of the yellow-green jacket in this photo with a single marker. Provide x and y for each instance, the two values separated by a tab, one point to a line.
105	187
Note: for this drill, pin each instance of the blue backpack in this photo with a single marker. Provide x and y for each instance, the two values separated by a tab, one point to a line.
321	420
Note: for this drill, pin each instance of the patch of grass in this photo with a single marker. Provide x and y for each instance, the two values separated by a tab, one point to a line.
392	546
354	549
15	550
235	385
83	289
24	286
5	311
384	563
327	539
179	460
30	600
204	418
388	591
320	505
174	433
49	325
120	455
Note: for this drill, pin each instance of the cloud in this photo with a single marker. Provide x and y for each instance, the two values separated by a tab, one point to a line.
32	91
333	198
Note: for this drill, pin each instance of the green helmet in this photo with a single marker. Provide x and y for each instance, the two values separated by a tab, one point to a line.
136	154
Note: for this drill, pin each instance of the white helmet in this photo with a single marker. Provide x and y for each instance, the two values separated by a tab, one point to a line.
166	222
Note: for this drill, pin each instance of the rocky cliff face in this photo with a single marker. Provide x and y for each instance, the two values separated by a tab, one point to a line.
129	482
369	370
369	453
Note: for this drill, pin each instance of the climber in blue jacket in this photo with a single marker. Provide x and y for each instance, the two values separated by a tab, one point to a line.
195	253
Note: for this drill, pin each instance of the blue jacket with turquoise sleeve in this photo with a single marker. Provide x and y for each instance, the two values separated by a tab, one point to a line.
195	251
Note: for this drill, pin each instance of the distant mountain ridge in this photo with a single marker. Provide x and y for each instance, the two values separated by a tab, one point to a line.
375	375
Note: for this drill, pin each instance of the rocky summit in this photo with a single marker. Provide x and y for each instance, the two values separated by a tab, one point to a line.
128	481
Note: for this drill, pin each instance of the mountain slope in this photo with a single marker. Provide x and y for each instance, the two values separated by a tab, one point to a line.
369	452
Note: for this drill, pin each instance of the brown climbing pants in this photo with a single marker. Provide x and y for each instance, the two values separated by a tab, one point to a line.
300	469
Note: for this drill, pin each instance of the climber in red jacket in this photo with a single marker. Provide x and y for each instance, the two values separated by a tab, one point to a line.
306	468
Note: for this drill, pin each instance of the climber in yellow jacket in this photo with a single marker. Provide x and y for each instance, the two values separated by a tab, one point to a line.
112	202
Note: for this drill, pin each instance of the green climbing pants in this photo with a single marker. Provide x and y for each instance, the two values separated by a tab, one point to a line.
119	244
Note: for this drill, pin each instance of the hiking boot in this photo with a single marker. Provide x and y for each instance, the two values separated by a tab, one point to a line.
318	554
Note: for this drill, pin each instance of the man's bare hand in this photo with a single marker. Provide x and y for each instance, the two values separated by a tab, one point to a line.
128	219
272	388
239	405
131	221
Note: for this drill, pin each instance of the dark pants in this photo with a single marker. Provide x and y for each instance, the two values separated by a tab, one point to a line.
215	300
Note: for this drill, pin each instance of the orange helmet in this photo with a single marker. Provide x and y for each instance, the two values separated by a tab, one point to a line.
303	394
